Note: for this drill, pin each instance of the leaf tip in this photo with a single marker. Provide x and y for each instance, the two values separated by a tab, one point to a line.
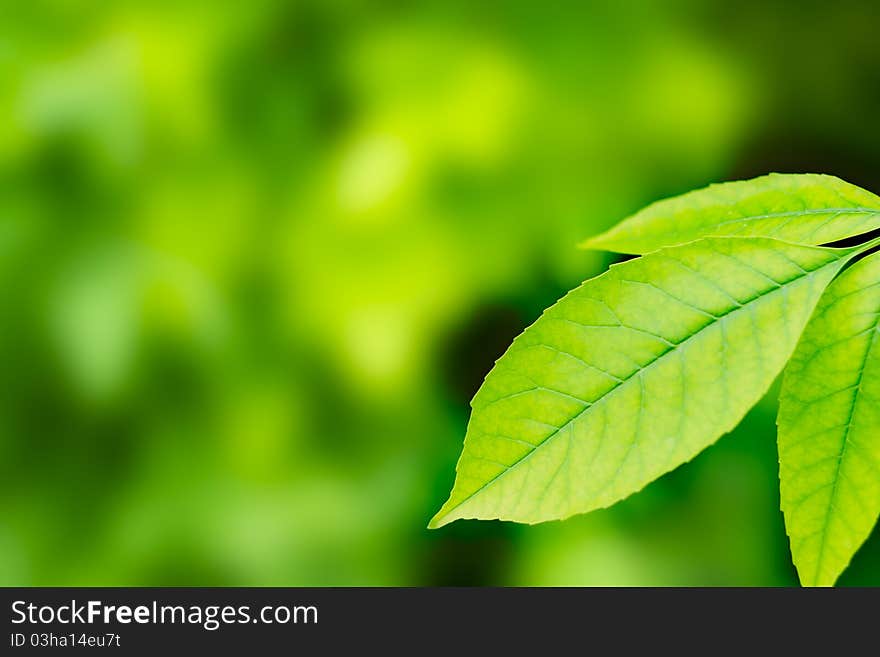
590	244
596	242
448	513
439	520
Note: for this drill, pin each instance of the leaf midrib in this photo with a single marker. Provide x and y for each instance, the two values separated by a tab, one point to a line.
801	213
842	454
757	217
718	319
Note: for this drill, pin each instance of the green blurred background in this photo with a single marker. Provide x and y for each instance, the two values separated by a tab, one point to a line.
256	257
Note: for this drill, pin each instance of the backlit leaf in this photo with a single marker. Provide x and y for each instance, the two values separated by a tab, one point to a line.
829	427
801	208
633	373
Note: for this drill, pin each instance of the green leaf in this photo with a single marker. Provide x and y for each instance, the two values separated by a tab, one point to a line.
801	208
829	427
632	374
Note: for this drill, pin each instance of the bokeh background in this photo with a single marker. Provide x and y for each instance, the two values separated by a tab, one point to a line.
256	257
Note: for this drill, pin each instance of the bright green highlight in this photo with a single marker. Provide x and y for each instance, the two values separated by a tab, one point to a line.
829	428
802	208
632	374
